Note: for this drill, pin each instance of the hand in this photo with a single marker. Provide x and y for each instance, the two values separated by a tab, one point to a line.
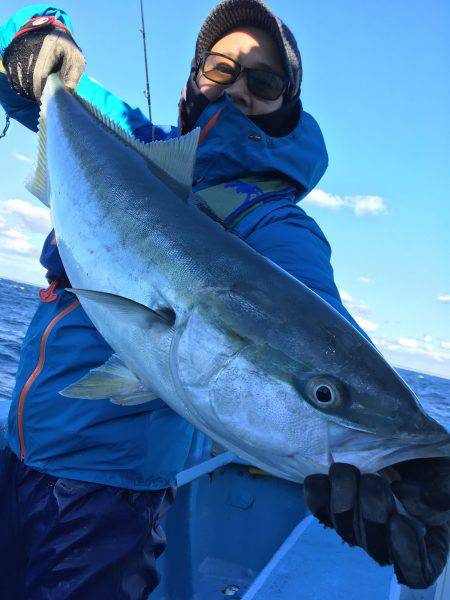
42	46
362	510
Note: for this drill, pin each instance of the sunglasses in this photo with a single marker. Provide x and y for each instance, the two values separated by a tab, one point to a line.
224	70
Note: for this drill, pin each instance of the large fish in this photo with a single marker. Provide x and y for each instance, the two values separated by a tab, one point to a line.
230	341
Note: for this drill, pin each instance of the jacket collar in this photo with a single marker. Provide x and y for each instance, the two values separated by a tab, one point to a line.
233	146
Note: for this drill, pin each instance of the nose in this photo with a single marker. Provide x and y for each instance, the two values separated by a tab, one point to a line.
239	93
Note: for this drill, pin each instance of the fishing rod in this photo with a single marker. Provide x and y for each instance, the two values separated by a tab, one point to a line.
147	89
6	127
8	120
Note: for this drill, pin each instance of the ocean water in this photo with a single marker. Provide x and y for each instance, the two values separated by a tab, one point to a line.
18	301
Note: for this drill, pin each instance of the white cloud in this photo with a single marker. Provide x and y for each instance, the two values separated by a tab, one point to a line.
354	306
445	298
13	233
424	354
367	205
366	280
35	218
21	157
407	342
22	226
324	199
357	310
19	246
360	205
416	355
361	307
366	324
22	268
345	297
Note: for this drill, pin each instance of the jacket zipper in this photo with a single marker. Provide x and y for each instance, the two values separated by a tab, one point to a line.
34	375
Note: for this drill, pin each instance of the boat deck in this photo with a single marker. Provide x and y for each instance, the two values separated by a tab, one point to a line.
237	533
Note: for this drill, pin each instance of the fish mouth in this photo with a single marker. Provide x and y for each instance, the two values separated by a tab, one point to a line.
371	452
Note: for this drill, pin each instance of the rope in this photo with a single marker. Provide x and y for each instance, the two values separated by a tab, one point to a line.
5	129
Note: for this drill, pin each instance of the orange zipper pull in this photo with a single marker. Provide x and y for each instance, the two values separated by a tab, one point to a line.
49	295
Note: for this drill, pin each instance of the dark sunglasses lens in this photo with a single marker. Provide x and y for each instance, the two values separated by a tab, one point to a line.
220	69
265	84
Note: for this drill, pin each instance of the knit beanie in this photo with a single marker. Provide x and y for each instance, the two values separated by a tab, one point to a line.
229	14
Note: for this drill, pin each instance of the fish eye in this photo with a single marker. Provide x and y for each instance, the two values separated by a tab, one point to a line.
324	392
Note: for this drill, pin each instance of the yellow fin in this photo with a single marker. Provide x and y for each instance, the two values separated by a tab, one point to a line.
111	380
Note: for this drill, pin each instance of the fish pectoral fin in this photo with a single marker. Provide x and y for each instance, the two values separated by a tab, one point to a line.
128	310
134	399
111	380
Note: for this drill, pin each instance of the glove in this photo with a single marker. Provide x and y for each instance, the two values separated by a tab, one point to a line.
363	511
42	46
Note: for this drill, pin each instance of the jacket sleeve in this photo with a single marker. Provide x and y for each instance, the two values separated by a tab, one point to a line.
130	118
9	28
293	240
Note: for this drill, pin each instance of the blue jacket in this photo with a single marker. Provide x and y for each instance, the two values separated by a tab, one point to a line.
143	447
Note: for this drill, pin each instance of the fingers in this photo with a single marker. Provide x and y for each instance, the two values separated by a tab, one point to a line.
344	481
425	491
59	53
357	506
436	495
46	63
376	505
331	498
412	497
361	506
17	77
30	58
423	469
316	491
362	510
418	557
72	67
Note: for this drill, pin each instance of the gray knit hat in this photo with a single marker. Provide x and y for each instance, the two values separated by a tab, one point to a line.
230	14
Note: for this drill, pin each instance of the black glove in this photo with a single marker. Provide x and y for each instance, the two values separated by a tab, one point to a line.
362	510
42	46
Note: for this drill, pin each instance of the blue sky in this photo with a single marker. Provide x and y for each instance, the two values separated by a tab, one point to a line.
376	79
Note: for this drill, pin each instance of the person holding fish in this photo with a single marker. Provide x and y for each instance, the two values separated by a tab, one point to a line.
89	487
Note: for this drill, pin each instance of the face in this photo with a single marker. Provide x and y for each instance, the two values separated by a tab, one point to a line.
251	47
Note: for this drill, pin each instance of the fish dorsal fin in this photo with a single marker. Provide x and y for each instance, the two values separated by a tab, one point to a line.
175	157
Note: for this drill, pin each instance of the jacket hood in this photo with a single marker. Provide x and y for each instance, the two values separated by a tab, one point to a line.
232	146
